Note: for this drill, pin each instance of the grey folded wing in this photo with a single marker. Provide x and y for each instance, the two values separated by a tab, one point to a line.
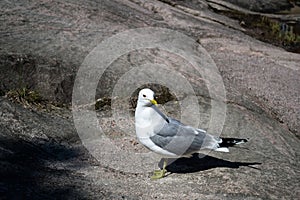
180	139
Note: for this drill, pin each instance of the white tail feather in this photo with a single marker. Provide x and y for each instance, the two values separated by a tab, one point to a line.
222	149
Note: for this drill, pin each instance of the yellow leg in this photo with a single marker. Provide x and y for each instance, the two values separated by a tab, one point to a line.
157	174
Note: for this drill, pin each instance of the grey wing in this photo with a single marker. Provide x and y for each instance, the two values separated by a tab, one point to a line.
180	139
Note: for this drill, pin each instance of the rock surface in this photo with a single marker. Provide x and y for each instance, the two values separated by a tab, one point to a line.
43	44
263	6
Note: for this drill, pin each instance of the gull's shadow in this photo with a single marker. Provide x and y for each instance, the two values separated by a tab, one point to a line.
201	162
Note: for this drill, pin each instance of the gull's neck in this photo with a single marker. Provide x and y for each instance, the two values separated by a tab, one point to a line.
146	116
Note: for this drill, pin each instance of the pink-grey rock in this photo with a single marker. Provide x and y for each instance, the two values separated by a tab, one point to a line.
43	44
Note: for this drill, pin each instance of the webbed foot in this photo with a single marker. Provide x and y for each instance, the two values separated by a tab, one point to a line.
157	174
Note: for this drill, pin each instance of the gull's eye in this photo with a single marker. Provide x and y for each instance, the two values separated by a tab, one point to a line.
144	95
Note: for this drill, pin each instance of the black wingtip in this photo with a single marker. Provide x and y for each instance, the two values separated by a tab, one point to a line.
229	142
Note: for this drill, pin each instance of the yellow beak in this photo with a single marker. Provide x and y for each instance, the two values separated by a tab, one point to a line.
153	102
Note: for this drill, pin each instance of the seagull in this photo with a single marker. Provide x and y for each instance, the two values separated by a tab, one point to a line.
169	137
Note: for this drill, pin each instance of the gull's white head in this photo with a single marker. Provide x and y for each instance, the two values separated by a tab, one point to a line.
146	98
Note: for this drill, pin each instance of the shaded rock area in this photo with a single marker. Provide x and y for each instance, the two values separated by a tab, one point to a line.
281	29
263	6
43	44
